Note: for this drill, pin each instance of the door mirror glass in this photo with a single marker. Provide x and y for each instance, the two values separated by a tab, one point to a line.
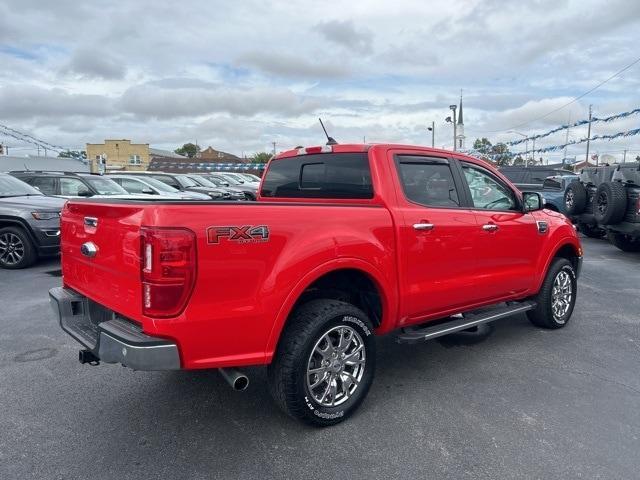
532	201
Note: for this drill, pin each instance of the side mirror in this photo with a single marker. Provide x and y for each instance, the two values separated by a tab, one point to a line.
532	201
148	191
85	193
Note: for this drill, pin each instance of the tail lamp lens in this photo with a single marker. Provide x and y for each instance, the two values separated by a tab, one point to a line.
168	269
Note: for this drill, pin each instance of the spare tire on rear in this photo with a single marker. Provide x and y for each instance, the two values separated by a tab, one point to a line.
610	203
575	198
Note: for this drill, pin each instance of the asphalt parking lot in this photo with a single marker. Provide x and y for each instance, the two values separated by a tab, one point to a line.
523	403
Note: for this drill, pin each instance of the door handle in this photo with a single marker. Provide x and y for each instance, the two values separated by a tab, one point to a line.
490	227
423	226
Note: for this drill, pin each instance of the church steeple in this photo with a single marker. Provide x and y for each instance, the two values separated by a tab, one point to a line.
460	127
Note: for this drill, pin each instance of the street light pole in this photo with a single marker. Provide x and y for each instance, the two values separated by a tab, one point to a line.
455	133
432	129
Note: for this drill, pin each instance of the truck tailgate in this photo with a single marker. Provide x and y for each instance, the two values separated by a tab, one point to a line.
112	276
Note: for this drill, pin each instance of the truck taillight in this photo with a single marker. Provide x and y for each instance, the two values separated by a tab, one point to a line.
638	206
168	269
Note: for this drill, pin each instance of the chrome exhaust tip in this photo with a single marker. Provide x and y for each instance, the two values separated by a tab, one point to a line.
236	379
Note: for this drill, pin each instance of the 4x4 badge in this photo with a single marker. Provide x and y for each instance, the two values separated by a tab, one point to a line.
240	234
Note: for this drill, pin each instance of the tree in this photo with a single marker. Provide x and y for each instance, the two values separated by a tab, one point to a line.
261	157
188	149
73	154
500	154
482	145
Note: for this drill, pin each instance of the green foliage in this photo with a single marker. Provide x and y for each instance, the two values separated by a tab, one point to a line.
482	145
73	154
260	157
188	150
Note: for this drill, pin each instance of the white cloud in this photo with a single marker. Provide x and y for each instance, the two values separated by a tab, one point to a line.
241	74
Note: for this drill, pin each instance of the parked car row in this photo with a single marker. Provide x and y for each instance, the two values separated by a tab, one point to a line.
31	201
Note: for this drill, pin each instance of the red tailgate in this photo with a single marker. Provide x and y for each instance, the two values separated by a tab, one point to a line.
111	277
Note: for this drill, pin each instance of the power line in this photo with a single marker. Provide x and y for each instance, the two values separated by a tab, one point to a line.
568	103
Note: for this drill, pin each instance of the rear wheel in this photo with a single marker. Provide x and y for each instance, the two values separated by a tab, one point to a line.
575	198
325	362
610	203
625	243
557	296
16	249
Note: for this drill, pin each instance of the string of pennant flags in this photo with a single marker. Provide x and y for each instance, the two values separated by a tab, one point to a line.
579	123
553	148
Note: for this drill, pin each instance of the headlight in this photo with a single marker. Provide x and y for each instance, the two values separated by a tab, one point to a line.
45	215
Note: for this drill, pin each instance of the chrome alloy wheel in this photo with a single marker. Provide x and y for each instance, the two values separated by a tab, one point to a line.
336	366
11	249
561	295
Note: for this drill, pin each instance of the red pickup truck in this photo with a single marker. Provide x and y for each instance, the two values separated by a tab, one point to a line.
345	242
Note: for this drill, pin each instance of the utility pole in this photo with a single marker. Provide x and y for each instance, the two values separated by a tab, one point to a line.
589	136
566	140
533	151
624	156
274	147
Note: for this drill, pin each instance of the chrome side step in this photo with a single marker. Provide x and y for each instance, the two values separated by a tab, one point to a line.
469	320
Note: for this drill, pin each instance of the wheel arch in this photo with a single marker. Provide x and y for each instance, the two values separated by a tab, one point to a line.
334	276
568	248
20	223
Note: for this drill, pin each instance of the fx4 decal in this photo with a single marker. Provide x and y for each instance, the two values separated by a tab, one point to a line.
240	234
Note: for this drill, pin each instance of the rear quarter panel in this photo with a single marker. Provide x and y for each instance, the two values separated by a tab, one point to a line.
244	291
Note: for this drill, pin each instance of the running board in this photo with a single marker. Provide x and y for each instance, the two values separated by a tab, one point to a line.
472	319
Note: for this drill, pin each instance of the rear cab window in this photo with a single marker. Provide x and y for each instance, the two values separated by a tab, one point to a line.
324	175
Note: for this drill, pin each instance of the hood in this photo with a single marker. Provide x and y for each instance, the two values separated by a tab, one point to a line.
40	202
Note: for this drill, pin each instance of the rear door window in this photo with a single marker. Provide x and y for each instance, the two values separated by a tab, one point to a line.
46	185
328	175
428	181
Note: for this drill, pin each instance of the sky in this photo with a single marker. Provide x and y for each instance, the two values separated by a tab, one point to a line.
241	75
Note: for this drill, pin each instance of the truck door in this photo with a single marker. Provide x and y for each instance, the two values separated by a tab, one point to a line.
435	237
508	242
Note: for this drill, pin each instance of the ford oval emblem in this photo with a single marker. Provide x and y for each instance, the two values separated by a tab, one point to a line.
89	249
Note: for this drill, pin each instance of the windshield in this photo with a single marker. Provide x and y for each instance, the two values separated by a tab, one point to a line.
12	187
205	182
216	181
231	180
160	186
236	177
186	181
105	186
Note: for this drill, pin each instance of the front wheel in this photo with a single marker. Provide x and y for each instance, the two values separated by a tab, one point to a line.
557	296
16	249
325	362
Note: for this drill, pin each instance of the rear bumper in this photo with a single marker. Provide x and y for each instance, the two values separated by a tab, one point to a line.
109	337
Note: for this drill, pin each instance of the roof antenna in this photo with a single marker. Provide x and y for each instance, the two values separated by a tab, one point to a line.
330	140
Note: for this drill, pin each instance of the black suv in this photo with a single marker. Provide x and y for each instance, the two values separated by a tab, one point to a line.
70	184
606	200
531	178
29	223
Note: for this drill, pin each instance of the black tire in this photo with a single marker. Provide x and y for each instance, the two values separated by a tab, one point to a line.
610	203
591	231
575	198
544	315
625	243
16	249
306	330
